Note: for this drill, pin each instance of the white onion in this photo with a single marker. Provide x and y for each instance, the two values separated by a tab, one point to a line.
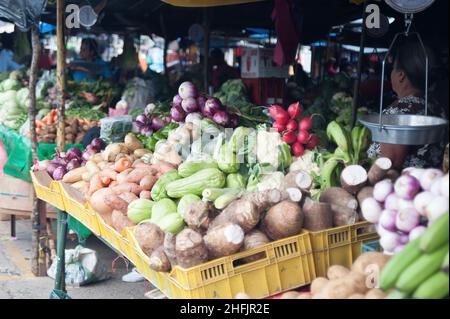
392	202
389	241
371	210
407	220
382	190
417	232
438	207
387	220
421	202
407	187
445	186
428	177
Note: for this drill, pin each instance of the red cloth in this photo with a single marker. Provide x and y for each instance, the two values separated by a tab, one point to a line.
287	33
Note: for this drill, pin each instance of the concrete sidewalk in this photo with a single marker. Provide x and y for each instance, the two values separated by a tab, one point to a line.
17	281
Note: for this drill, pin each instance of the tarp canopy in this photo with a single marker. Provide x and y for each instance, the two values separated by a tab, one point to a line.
207	3
23	13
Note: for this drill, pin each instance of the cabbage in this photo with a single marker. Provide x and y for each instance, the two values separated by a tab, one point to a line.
162	208
10	84
7	96
171	223
139	210
22	96
185	203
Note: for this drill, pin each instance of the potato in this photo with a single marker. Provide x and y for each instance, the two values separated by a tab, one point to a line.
366	262
132	143
98	203
318	284
141	152
111	151
337	271
138	174
344	287
128	197
116	203
92	168
149	237
127	188
148	182
145	195
122	177
290	295
96	158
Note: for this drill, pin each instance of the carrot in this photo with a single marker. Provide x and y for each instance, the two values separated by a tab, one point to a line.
106	180
122	164
40	123
110	173
95	184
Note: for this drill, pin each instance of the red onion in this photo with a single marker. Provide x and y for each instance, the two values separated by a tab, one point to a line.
387	220
177	100
135	127
147	131
143	119
201	101
234	120
222	118
86	156
212	106
98	144
187	89
73	153
407	187
73	164
157	124
51	168
178	114
59	173
189	105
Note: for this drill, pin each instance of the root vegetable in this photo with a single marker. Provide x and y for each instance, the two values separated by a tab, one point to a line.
393	175
428	177
252	240
132	143
111	151
145	195
127	188
337	271
97	201
283	220
265	199
318	284
116	203
407	220
387	219
121	178
122	164
376	294
340	197
241	212
318	216
169	248
138	174
128	197
298	179
96	158
363	263
407	187
92	168
290	295
147	182
343	216
110	173
149	237
120	221
198	216
382	190
79	185
159	261
364	193
357	296
371	210
95	183
294	194
74	175
343	288
353	178
379	170
224	240
190	249
141	152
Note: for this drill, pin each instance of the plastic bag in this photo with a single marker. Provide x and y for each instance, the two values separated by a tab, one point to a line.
114	129
23	13
137	93
82	267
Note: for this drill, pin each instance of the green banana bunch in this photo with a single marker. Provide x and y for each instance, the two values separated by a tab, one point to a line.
328	173
285	156
337	134
421	269
360	142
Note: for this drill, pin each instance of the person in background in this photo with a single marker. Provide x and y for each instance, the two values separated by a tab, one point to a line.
89	54
221	71
7	63
408	81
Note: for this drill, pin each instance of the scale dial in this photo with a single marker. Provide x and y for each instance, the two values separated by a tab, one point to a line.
88	17
409	6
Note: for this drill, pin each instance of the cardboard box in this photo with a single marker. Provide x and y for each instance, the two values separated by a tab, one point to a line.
258	63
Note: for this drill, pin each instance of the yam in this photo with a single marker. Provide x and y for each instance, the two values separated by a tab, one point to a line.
379	170
116	203
283	220
293	194
252	240
363	194
354	178
120	221
317	216
224	240
149	237
318	284
145	195
132	143
241	212
128	197
199	215
370	262
122	177
375	294
138	174
127	188
148	182
110	173
343	216
159	261
190	249
337	271
298	179
74	175
265	199
98	204
339	196
170	248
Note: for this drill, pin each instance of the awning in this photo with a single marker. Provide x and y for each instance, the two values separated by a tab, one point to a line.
207	3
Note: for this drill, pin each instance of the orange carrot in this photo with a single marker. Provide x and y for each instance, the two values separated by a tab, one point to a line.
95	184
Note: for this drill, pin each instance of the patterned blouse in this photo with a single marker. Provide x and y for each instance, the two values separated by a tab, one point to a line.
426	156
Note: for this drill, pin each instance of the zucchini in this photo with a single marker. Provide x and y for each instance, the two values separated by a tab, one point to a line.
195	184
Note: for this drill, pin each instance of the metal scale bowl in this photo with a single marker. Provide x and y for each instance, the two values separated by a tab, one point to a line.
406	129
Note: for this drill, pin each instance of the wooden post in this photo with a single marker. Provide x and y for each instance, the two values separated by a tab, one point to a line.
38	264
359	70
166	42
60	74
206	27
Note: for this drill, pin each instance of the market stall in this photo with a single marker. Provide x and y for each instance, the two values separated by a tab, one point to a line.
213	197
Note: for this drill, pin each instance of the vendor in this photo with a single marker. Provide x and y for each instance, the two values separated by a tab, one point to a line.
7	63
408	81
89	54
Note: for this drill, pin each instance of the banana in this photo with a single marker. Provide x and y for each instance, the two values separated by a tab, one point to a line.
397	265
338	135
445	264
397	294
420	270
435	287
436	235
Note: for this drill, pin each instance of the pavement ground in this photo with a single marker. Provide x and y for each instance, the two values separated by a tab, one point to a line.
17	281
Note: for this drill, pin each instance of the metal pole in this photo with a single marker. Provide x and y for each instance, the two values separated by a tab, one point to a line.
59	292
60	73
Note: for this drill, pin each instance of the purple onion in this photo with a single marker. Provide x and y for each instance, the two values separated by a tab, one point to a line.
178	114
135	128
177	100
234	120
147	131
73	153
407	187
212	106
201	101
60	161
142	119
73	164
187	89
407	220
391	202
51	168
189	105
157	124
86	156
222	118
59	173
387	220
98	144
382	190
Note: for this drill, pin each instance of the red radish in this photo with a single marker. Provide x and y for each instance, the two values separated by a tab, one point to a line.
289	137
313	142
303	137
279	114
295	111
298	149
306	123
292	126
279	127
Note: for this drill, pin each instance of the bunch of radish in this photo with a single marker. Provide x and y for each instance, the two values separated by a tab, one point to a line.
402	210
294	131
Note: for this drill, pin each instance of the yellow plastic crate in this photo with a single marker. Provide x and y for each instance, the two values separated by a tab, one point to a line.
76	205
288	264
114	238
47	189
340	245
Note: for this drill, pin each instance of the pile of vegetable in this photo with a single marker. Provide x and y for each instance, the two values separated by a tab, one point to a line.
294	132
420	270
402	209
341	105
